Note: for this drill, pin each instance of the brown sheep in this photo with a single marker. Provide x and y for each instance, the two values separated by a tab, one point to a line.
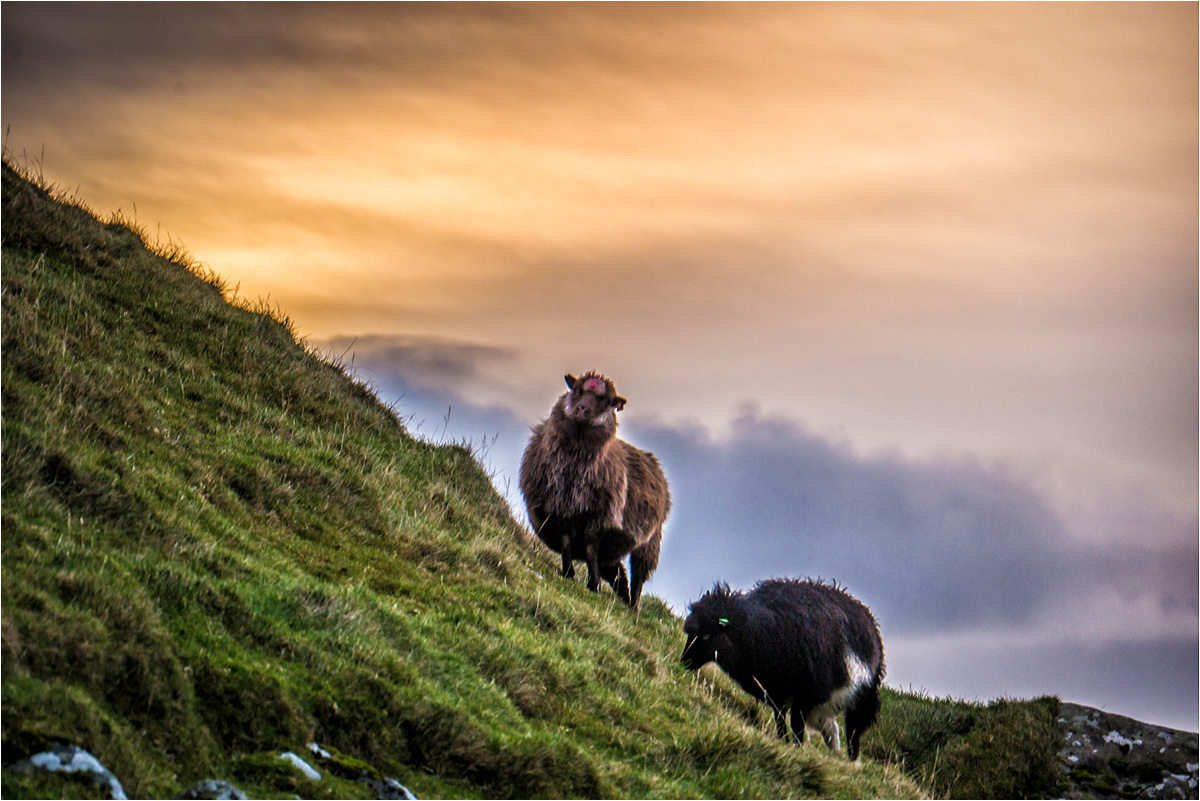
592	496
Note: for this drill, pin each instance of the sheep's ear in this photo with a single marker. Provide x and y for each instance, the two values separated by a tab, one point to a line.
618	402
570	379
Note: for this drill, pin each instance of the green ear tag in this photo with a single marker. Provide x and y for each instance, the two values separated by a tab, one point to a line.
724	621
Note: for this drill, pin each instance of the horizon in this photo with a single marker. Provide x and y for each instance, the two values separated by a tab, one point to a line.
901	295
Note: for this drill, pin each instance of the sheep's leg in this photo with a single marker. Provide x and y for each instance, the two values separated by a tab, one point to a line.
642	562
832	735
621	585
615	575
784	726
860	714
593	566
568	565
639	570
852	736
556	533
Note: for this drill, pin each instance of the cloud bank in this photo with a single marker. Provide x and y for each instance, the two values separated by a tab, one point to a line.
941	545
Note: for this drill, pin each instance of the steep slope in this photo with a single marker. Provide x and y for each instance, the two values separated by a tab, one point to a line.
217	547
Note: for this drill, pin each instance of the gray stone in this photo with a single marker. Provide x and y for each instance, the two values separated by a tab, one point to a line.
391	790
304	767
69	759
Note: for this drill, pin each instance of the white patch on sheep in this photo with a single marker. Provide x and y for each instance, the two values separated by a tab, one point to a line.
860	675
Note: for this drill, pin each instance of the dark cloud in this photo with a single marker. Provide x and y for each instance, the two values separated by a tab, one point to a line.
938	545
412	373
124	45
121	46
425	361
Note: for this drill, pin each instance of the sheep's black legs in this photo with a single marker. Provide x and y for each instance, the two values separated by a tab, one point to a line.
568	567
783	726
860	714
637	577
642	561
602	554
615	575
621	585
593	566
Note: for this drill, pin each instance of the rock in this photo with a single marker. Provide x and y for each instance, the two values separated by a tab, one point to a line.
347	767
1112	756
213	789
390	790
304	767
69	759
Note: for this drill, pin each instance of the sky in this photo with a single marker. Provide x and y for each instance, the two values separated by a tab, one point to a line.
904	296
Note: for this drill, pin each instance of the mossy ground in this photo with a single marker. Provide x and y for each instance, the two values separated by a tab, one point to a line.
217	547
1005	749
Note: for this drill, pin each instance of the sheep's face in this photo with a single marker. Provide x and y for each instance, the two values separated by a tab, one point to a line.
705	641
592	399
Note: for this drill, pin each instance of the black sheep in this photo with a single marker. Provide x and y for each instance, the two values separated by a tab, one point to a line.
803	647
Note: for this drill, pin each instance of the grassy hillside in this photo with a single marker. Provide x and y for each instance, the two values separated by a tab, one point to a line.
217	547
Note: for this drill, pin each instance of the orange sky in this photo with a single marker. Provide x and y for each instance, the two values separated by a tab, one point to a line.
933	227
920	230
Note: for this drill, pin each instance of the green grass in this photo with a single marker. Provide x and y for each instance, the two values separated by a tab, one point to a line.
1005	749
218	547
